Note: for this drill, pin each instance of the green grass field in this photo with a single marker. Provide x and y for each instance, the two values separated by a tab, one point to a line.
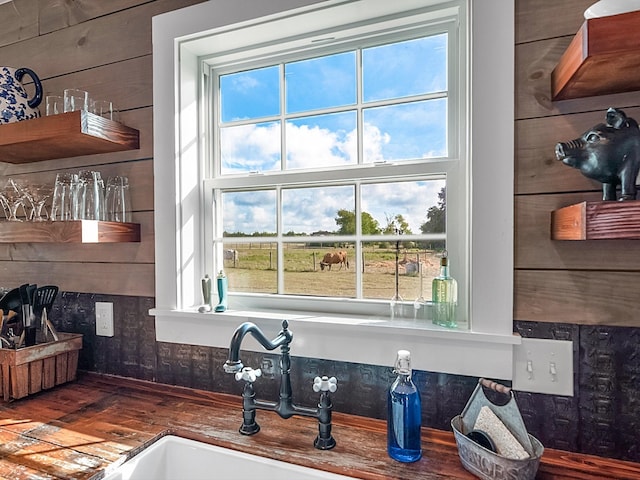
255	271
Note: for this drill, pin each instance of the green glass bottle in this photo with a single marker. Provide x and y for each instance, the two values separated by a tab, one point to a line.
444	296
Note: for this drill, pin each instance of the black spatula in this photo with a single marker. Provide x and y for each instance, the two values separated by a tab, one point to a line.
44	298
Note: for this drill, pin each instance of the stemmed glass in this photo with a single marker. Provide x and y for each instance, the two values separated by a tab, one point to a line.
396	300
28	197
420	301
39	196
5	206
14	197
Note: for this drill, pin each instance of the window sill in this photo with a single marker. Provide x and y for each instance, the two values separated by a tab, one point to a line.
331	337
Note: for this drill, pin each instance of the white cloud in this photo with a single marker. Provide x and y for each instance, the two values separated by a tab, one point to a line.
245	83
318	147
257	147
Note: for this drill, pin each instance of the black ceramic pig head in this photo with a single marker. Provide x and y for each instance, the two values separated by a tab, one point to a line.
609	153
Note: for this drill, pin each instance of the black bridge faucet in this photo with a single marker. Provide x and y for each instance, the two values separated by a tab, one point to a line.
284	406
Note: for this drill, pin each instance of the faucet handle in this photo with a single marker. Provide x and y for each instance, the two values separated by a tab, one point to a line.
324	384
248	374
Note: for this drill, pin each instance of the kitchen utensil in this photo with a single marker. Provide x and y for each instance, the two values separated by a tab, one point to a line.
50	327
24	304
31	290
12	329
43	299
12	326
4	332
15	104
11	301
28	318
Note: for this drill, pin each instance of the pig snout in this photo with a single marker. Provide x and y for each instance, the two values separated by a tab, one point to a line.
568	149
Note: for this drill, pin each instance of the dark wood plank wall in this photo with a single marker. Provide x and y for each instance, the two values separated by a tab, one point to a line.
589	282
104	48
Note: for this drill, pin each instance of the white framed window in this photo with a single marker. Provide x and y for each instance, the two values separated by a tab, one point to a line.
185	181
335	151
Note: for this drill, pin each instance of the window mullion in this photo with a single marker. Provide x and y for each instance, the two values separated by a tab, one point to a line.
279	244
283	124
358	241
359	119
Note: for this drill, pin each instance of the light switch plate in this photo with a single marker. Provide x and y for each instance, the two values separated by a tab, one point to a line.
104	319
543	366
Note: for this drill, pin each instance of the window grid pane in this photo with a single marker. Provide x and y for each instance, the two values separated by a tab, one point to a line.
401	116
315	247
319	235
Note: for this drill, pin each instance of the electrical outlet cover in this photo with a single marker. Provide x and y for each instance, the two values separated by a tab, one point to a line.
104	319
543	366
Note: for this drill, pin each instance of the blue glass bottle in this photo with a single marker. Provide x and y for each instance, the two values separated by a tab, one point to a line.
404	414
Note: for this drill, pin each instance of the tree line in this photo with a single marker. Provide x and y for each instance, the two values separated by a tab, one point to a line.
346	222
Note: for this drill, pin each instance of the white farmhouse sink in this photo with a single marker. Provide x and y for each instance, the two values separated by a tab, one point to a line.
177	458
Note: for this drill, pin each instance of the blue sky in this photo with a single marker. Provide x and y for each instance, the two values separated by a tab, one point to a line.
321	132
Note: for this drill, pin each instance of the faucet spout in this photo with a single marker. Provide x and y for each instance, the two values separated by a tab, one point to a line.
284	406
233	363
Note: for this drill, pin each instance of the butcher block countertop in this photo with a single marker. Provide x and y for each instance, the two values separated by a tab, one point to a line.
75	431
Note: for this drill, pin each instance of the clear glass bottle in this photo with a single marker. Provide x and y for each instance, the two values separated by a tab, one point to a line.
404	414
444	296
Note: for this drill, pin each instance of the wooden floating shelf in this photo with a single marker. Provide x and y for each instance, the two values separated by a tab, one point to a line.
75	231
603	58
65	135
597	221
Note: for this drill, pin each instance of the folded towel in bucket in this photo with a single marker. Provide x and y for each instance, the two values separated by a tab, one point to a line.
506	444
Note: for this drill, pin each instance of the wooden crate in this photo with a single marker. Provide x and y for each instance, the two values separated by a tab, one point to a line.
29	370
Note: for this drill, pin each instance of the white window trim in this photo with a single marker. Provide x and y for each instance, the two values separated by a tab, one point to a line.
485	350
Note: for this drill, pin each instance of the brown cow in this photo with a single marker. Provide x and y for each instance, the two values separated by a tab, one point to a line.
332	258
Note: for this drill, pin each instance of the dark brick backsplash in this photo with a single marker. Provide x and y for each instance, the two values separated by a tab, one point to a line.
602	418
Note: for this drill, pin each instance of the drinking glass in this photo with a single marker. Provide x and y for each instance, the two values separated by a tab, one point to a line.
90	196
24	189
5	206
118	199
14	198
40	195
55	104
65	197
105	108
75	99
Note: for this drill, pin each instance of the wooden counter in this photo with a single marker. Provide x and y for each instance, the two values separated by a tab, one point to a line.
76	430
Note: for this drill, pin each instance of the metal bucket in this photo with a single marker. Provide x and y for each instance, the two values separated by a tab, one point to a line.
479	460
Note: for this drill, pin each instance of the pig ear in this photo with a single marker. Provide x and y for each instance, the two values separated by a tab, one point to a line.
616	118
